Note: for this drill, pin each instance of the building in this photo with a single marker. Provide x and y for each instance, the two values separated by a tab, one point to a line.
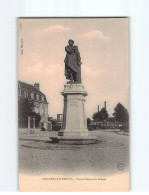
59	117
33	92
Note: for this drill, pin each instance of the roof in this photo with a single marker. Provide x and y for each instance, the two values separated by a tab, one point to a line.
31	88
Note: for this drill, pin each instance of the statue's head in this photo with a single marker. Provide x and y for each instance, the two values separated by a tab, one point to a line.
71	42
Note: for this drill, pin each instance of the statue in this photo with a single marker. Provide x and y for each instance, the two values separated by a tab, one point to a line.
72	63
74	126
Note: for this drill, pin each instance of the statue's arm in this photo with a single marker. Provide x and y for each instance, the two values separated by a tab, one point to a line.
68	50
77	51
78	56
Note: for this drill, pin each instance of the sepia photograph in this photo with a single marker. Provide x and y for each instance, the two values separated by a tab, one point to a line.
73	104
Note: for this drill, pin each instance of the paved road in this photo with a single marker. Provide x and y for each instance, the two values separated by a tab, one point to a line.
109	155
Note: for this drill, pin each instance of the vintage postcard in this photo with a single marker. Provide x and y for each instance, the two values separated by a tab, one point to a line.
73	104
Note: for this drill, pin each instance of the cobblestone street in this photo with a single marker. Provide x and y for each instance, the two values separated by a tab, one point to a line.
110	155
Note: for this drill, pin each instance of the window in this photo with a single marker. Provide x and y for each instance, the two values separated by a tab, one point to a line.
25	94
32	96
29	95
42	98
37	97
19	92
46	111
42	112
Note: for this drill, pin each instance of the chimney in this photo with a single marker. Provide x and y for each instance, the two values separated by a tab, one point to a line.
105	106
37	86
98	108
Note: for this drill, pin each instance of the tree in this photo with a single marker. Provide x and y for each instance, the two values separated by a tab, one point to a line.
25	109
88	121
121	114
53	121
37	118
101	115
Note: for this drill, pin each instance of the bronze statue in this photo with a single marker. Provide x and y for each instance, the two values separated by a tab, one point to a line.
72	63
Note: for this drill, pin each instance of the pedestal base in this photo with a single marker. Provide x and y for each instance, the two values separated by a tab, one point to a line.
73	141
80	141
71	136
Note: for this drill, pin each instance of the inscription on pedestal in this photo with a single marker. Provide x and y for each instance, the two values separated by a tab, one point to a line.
72	103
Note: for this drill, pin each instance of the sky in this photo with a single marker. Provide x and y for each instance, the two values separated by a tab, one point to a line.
104	48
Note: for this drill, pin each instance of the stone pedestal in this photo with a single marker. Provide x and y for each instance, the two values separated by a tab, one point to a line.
74	129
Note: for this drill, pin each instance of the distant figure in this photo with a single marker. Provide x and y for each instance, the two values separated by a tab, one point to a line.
72	63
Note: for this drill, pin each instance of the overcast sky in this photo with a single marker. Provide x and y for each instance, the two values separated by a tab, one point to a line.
103	45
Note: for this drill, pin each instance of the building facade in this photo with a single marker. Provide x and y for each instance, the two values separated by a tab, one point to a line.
33	92
59	117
